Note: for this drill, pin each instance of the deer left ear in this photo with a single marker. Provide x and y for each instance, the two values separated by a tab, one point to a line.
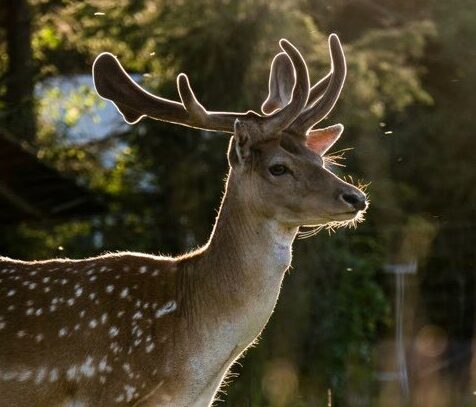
321	140
242	138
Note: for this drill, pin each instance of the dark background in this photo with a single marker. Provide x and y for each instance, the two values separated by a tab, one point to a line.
351	327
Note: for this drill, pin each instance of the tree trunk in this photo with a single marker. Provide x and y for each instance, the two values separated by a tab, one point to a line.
19	97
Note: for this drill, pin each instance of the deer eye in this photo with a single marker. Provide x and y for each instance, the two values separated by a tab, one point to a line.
278	169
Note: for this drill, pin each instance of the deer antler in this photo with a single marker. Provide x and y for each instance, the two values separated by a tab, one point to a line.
322	95
280	85
133	102
291	105
113	83
333	84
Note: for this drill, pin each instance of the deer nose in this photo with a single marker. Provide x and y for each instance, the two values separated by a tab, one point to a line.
357	201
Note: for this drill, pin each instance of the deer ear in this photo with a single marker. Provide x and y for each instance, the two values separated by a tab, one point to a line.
281	82
321	140
242	138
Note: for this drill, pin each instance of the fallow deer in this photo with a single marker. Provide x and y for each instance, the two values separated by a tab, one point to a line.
132	329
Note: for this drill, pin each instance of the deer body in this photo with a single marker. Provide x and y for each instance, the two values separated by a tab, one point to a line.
131	329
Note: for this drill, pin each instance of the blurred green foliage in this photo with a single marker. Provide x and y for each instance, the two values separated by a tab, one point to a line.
405	106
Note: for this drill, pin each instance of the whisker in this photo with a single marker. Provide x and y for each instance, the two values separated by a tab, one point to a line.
331	226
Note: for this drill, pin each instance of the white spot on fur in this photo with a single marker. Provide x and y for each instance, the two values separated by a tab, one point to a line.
115	348
24	375
137	331
87	369
113	332
72	373
76	403
41	375
130	392
103	366
7	375
54	375
169	307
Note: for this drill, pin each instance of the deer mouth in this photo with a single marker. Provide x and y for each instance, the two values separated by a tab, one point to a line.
347	215
334	217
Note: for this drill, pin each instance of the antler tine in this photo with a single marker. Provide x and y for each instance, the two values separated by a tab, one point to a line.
189	101
218	121
284	117
133	102
323	106
318	90
280	84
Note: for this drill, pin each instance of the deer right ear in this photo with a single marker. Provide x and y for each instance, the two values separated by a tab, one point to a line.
321	140
240	149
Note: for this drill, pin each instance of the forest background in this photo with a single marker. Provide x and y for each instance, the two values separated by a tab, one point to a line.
408	108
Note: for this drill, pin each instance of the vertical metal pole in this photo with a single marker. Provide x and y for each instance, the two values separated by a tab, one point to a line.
399	337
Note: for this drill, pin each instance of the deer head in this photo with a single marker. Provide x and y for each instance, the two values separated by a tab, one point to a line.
276	158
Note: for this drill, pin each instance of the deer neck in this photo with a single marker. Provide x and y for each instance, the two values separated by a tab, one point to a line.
246	244
231	286
238	273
